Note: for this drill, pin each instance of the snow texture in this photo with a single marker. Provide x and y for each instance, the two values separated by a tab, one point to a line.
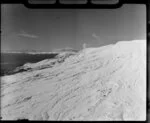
105	83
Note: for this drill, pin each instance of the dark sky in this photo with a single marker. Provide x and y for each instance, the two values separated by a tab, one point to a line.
47	30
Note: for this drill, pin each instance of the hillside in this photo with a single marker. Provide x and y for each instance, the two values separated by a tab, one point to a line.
105	83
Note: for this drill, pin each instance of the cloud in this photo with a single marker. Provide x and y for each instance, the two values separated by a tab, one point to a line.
95	36
25	34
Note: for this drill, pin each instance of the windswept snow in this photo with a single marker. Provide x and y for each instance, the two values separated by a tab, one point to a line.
106	83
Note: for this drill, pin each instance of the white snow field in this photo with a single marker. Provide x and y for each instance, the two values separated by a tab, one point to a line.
98	84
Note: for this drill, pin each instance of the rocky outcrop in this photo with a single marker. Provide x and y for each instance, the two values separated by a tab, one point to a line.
47	63
106	83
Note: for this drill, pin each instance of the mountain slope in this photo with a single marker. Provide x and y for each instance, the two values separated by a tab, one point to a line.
106	83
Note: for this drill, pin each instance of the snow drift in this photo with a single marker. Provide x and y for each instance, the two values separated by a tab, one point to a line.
106	83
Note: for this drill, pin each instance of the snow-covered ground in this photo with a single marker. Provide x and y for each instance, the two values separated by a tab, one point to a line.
105	83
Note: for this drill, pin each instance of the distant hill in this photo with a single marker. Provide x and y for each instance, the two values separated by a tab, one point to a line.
10	61
65	50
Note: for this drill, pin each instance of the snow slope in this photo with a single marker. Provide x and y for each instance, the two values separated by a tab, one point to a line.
105	83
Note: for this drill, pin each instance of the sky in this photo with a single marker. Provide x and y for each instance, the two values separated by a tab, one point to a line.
47	30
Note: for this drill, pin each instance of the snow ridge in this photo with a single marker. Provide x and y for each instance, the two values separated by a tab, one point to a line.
106	83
